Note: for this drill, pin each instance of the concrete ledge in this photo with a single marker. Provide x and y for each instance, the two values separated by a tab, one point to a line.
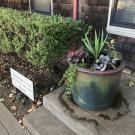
52	103
42	122
124	125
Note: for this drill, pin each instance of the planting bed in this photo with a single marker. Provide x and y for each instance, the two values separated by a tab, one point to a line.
45	79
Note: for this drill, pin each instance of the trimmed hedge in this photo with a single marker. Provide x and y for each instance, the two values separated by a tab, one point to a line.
40	38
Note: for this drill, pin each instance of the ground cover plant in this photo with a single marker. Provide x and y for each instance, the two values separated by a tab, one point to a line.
45	80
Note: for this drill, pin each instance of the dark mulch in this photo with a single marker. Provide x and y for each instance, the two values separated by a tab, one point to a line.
45	79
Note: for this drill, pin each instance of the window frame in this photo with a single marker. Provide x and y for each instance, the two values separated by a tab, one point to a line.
117	28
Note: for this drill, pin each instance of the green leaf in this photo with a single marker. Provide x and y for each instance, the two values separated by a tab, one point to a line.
95	47
103	41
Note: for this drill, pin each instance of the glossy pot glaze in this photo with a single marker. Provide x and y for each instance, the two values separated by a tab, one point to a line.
96	90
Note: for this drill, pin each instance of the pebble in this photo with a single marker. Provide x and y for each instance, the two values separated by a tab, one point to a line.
127	71
131	84
2	100
13	91
11	95
52	88
39	103
13	108
20	122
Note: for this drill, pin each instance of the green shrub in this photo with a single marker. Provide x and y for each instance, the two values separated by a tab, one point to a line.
44	51
40	38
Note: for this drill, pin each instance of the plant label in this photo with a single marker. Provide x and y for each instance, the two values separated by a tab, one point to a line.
22	83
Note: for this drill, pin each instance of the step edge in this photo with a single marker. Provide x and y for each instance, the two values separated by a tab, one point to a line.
29	127
66	120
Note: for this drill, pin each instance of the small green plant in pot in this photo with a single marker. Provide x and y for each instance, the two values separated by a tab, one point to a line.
94	72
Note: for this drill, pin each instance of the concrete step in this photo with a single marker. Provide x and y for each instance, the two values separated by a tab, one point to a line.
42	122
53	104
121	126
8	124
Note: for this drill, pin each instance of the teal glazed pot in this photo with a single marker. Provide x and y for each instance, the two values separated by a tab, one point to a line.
96	90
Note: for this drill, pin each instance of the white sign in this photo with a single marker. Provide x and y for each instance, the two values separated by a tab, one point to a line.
22	83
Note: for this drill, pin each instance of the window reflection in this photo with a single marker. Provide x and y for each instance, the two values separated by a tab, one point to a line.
41	5
125	12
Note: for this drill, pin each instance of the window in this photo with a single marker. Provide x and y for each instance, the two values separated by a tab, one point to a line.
44	6
121	19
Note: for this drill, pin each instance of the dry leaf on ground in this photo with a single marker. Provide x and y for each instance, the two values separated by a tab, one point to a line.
33	108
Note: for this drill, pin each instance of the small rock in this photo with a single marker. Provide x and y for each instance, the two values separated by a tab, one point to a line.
131	84
8	85
127	71
41	96
13	91
2	100
52	88
39	103
11	95
13	108
20	122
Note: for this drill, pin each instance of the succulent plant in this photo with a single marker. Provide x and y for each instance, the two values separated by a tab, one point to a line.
105	62
102	63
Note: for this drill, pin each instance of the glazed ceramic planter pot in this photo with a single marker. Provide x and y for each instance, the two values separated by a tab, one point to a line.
96	90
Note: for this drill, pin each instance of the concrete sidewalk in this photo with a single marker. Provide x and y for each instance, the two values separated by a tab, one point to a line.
8	124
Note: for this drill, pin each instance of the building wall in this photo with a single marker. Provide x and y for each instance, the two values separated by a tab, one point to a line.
18	4
94	11
63	7
127	47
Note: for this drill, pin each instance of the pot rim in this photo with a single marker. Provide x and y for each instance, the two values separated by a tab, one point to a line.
105	73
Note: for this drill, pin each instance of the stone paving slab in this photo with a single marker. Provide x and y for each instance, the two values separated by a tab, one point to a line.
42	122
8	124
